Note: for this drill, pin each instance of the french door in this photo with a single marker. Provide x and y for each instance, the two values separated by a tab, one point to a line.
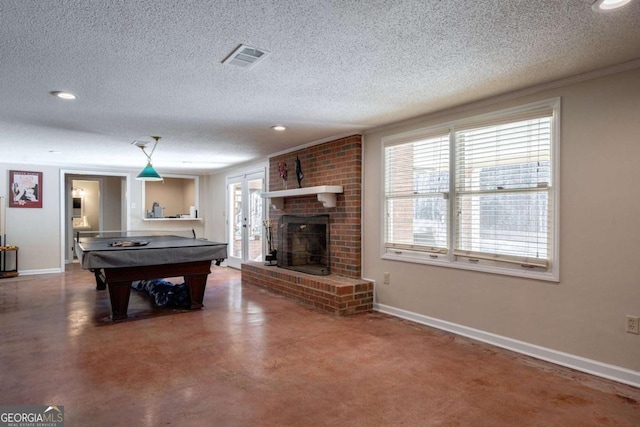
245	221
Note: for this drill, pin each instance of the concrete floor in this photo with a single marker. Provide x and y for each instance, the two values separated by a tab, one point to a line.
250	358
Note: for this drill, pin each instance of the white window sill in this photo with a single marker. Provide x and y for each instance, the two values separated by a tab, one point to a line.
172	219
443	261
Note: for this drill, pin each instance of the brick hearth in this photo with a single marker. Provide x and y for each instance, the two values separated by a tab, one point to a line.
335	294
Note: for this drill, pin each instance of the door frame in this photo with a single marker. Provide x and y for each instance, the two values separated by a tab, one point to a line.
243	178
66	234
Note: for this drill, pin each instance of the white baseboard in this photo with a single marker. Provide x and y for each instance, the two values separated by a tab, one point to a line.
43	271
593	367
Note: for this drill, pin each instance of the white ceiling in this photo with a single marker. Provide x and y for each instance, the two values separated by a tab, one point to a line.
154	67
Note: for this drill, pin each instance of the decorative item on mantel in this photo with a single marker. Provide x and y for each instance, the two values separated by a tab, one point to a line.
272	255
299	173
282	168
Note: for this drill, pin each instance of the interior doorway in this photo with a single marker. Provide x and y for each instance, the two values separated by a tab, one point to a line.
92	202
85	205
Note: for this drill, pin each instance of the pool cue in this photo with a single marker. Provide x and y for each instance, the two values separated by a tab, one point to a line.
3	217
1	220
3	236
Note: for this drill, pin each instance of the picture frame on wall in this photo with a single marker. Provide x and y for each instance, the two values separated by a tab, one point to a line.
25	189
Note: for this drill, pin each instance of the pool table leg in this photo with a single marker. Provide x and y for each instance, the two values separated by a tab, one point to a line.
119	295
196	284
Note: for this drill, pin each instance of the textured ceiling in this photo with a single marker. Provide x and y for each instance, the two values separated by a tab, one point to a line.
154	67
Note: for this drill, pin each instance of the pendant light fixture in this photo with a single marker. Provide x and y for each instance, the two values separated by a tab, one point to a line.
149	173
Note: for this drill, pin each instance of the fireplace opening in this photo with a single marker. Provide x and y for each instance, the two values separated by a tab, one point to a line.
303	244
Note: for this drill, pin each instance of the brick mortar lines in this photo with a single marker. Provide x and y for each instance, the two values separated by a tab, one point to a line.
318	285
337	162
280	283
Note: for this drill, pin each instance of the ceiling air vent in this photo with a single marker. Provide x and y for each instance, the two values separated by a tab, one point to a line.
245	56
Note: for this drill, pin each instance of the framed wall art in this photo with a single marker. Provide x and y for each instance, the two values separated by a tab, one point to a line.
25	189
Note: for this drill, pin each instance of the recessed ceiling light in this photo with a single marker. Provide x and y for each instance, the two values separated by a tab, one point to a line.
63	95
55	152
609	4
279	128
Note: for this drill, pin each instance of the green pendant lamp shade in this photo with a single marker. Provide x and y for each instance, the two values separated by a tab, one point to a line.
149	173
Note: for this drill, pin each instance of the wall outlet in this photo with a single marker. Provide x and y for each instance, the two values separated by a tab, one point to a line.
633	324
386	278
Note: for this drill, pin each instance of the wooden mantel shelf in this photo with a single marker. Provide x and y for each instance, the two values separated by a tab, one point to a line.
326	195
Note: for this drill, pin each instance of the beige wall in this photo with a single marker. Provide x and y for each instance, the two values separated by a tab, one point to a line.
583	314
112	203
215	220
36	231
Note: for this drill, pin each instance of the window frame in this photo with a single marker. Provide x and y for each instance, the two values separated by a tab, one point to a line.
451	259
430	133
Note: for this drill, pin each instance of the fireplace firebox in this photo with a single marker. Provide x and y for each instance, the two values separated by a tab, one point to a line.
303	244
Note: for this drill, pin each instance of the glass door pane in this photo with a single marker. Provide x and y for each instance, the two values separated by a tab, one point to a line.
254	227
235	221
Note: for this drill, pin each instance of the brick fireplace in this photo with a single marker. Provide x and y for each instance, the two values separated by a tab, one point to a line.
343	291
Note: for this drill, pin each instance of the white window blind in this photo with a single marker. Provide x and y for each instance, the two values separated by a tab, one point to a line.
416	193
477	193
503	184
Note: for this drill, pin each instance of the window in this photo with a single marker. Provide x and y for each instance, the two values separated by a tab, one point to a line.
476	194
416	191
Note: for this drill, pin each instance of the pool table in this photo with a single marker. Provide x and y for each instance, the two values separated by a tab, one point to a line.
118	261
